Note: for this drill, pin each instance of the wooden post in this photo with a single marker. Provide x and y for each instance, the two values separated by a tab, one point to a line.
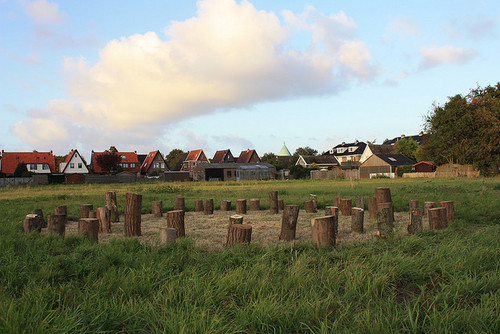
323	231
289	222
104	220
235	219
168	235
209	206
281	205
357	220
157	208
175	219
32	222
314	199
112	206
225	205
450	210
241	206
198	205
56	224
413	204
415	223
337	201
438	218
384	222
179	204
61	210
383	195
92	214
381	206
89	227
427	206
39	212
273	202
133	207
85	210
238	233
333	211
346	206
309	206
372	207
254	204
360	201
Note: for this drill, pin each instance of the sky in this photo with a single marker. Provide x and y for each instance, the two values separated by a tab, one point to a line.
219	74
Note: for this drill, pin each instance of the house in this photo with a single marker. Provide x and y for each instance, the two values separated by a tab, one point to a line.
323	161
383	165
376	149
424	167
284	156
36	162
73	164
154	164
248	156
233	171
418	138
348	154
128	161
193	158
223	156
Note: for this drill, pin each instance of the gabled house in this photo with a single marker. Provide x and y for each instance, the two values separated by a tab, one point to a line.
424	167
322	161
128	161
36	162
348	154
193	158
154	164
383	165
248	156
73	164
372	149
224	156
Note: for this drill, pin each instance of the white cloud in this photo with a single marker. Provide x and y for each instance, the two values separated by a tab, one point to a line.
43	11
402	27
229	56
435	56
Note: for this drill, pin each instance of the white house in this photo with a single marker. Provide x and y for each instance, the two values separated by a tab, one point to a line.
74	164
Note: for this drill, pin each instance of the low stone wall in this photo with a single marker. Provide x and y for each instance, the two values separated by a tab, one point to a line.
416	175
15	181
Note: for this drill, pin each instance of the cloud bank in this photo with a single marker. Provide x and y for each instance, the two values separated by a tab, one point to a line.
231	55
435	56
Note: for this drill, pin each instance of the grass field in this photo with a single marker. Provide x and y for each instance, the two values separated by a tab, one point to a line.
432	282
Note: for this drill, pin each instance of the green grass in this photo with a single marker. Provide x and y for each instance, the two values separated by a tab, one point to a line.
433	282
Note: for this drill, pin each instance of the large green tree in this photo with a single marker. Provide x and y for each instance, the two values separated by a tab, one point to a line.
466	130
406	147
173	158
305	151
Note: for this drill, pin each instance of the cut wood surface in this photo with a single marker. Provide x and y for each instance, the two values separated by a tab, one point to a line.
133	207
61	210
32	222
383	195
238	233
175	219
450	210
235	219
413	204
289	222
337	201
323	231
39	212
254	204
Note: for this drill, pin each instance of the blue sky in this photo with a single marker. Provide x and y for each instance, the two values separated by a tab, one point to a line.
219	74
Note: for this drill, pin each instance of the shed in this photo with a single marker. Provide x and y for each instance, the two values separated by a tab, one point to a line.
383	164
424	167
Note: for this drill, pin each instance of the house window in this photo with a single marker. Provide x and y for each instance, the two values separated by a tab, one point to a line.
162	165
156	165
124	157
228	173
71	165
45	166
132	165
125	165
352	149
32	166
79	165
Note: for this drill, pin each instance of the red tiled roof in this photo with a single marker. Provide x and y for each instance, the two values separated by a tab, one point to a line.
194	155
69	156
148	161
127	158
425	162
219	156
245	156
10	160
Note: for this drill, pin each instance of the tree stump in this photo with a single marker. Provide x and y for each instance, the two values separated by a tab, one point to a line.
415	223
309	206
337	201
89	227
438	218
413	204
323	231
157	208
383	195
346	206
56	224
384	222
427	206
92	214
85	210
388	205
357	220
238	233
168	235
179	204
372	207
32	222
175	219
209	206
225	205
273	202
314	198
61	210
39	212
450	210
235	219
112	206
360	201
241	206
198	205
133	207
281	205
289	222
104	220
254	204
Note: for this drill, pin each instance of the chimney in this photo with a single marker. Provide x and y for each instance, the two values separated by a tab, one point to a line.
355	141
343	143
402	136
421	133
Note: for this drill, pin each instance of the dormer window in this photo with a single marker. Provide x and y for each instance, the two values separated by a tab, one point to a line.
124	157
353	148
392	159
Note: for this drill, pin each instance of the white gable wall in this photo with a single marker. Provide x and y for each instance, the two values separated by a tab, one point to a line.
75	165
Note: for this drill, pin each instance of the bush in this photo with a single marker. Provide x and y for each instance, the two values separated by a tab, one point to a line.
404	169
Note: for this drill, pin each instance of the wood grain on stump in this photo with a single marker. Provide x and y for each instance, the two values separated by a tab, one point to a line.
346	206
198	205
56	224
112	206
413	204
337	201
438	218
357	220
225	205
133	207
85	210
415	223
314	198
360	201
39	212
254	204
384	222
168	235
238	233
387	205
32	222
309	207
175	219
323	231
281	205
333	211
372	207
179	203
241	206
89	228
450	210
104	220
92	214
273	202
61	210
289	222
157	208
235	219
208	206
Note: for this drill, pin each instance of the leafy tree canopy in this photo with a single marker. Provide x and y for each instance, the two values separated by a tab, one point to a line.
407	147
173	158
305	151
108	161
22	170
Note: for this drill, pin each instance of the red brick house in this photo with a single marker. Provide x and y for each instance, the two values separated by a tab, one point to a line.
154	164
248	156
224	156
192	159
128	161
36	162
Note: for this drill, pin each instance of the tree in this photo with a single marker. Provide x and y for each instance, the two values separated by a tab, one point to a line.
305	151
407	147
108	161
173	158
272	159
21	170
466	130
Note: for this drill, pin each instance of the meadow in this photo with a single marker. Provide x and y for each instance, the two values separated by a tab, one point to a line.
433	282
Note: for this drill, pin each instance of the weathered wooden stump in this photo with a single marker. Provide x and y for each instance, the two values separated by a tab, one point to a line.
415	223
360	201
225	205
383	195
333	211
209	206
112	206
180	203
235	219
198	206
92	214
254	204
61	210
241	206
323	231
175	219
346	206
238	233
357	220
89	228
133	207
273	202
314	199
157	208
337	201
168	235
32	222
104	218
56	224
372	207
39	212
427	206
309	206
281	205
387	205
384	222
450	210
85	210
289	222
438	218
413	204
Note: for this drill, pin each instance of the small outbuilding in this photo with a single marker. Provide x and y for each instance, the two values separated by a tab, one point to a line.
383	165
233	171
424	167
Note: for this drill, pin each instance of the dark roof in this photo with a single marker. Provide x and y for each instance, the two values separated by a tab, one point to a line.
320	159
141	158
381	149
181	161
232	165
360	148
396	159
418	138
